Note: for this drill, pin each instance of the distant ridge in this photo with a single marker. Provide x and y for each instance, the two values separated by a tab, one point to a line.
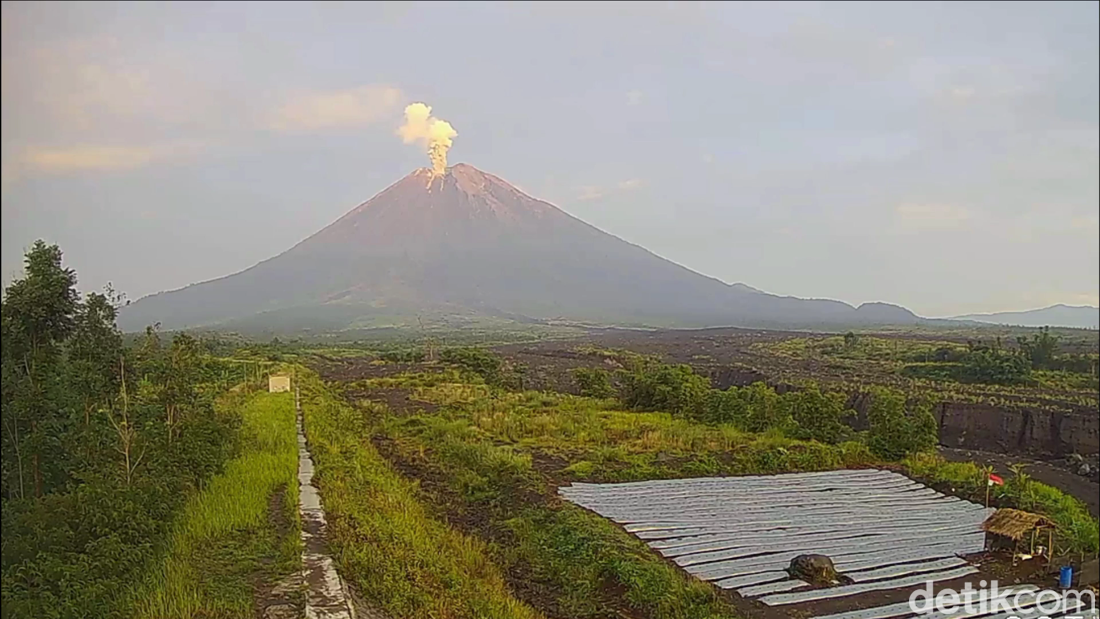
1074	316
468	243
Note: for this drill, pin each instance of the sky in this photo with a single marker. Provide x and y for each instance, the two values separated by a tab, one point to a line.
942	156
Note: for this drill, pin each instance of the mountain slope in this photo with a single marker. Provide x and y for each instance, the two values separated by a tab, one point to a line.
1082	316
469	240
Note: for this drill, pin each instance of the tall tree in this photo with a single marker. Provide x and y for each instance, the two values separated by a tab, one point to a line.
95	349
38	314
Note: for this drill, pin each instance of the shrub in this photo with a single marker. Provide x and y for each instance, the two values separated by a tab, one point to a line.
818	416
934	371
403	356
593	382
675	389
895	431
996	367
476	361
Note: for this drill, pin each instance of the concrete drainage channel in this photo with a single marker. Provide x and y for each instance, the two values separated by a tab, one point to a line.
326	593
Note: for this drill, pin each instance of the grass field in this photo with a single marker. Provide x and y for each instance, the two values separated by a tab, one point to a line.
241	530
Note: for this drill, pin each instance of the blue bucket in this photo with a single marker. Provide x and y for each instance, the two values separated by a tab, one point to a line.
1065	578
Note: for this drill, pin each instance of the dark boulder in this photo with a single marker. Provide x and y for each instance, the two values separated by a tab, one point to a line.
814	569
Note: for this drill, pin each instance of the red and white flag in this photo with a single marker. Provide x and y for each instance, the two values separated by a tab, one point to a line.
996	480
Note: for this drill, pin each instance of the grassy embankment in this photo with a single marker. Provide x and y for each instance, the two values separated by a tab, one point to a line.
241	528
388	545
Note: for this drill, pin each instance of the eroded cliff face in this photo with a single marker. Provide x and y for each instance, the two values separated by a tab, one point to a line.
1018	430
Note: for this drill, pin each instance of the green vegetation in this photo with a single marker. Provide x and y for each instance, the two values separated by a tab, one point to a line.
974	362
897	425
225	535
103	445
594	382
1077	529
489	367
990	373
598	441
386	542
894	431
476	461
852	346
403	356
675	389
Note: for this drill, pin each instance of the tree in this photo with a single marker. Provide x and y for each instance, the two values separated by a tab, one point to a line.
995	366
1040	348
95	349
126	430
593	382
851	340
818	416
90	483
675	389
184	373
38	314
898	427
477	361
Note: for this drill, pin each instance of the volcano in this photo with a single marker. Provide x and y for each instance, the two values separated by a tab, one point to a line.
468	242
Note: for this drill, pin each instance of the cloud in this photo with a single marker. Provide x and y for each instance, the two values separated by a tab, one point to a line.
98	86
354	107
634	97
925	217
91	157
595	192
962	93
1087	224
590	192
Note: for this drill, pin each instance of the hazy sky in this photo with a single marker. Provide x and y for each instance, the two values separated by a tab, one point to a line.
940	156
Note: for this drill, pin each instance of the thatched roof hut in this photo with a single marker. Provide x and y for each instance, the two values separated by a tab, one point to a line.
1014	524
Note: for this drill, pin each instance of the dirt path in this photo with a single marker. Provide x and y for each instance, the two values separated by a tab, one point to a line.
326	594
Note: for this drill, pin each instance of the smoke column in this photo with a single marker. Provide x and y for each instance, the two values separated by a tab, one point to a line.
434	133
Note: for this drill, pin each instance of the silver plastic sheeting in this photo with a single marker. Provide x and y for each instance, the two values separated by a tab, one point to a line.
893	571
772	587
1027	599
882	585
880	528
903	609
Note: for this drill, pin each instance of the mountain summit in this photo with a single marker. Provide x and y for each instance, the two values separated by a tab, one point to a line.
468	241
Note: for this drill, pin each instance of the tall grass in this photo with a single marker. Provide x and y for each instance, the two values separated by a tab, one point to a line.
588	566
385	541
608	444
224	533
